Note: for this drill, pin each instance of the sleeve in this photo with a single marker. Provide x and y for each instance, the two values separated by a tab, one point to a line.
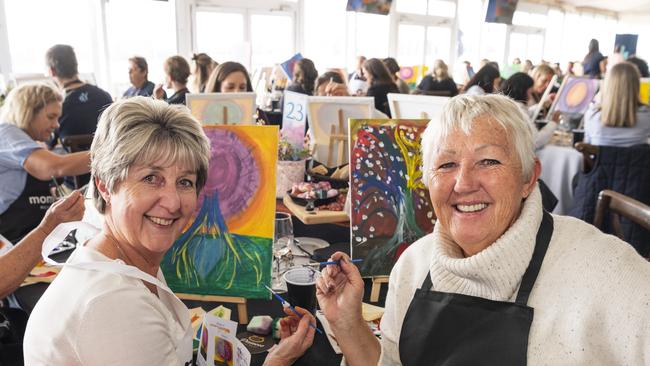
544	135
424	84
453	89
17	147
125	328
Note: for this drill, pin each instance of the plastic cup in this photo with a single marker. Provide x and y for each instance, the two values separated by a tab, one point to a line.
301	287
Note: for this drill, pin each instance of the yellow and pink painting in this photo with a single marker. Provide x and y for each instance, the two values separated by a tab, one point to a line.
227	249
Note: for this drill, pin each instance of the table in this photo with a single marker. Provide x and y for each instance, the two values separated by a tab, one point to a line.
559	165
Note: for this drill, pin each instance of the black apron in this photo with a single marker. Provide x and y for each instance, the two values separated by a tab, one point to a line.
27	211
454	329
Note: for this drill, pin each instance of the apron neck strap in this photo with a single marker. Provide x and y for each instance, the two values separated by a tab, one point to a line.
541	245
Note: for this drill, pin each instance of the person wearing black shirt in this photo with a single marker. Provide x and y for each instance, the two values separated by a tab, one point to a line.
439	82
177	70
381	83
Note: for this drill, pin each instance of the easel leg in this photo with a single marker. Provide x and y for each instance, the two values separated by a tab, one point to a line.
376	287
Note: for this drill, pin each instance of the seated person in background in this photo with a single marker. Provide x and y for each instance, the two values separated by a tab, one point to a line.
30	115
304	76
232	77
542	75
620	119
393	68
357	82
500	281
177	70
138	73
519	87
16	264
149	164
641	65
82	104
439	81
203	66
485	81
330	84
380	83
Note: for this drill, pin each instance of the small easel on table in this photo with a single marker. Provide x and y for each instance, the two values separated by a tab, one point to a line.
242	310
376	287
340	138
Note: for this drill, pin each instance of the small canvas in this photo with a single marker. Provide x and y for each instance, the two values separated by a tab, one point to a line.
574	95
390	203
370	6
227	248
413	74
323	114
288	65
500	11
222	108
627	44
416	106
294	118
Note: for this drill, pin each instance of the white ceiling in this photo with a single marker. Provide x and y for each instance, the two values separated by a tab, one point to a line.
619	6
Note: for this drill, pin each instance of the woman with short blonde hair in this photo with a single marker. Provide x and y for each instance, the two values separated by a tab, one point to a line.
30	115
620	119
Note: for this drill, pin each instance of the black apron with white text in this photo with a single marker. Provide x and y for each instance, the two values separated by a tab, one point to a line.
446	329
27	211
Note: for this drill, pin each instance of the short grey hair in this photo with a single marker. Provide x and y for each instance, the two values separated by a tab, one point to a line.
145	130
462	112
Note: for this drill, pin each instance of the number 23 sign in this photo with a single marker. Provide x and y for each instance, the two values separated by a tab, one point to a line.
294	115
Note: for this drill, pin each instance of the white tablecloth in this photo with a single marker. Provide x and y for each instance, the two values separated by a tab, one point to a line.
559	165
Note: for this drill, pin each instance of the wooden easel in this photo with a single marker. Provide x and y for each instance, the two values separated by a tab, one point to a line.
376	287
225	116
242	310
340	138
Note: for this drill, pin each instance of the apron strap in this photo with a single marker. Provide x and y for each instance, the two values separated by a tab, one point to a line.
541	245
427	284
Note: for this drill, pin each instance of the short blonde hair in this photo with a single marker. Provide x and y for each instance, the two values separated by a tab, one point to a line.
621	96
540	70
462	112
26	101
145	130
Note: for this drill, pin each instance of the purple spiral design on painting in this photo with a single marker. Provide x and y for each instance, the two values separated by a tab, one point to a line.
233	172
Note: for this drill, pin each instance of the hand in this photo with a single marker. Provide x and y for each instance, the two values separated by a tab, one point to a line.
70	208
296	337
158	91
336	90
340	292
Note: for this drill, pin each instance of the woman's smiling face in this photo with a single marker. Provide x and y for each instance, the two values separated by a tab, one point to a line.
476	185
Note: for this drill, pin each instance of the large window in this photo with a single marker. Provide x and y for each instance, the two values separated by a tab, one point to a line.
129	34
33	26
220	34
325	33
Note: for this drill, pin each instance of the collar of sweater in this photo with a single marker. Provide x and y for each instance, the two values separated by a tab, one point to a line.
494	273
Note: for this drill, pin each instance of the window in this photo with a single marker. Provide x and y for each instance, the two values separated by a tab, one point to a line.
130	34
409	45
34	26
368	36
220	34
271	39
438	43
324	36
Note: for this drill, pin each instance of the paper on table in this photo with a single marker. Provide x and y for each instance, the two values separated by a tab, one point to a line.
5	245
371	312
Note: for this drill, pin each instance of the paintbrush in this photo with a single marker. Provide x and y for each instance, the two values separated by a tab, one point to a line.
286	304
59	189
318	264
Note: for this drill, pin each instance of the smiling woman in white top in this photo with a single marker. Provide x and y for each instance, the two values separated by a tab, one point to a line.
621	119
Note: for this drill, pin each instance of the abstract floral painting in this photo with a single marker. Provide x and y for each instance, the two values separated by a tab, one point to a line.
227	248
390	203
575	94
209	108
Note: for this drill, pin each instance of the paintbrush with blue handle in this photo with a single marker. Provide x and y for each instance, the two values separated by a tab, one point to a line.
285	303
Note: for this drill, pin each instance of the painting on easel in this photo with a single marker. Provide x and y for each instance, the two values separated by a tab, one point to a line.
328	119
222	108
390	203
416	106
227	249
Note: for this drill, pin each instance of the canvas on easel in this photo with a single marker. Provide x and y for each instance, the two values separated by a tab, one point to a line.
390	204
222	108
406	106
227	248
644	92
574	95
328	117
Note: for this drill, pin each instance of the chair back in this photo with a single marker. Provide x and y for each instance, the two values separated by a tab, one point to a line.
77	143
620	205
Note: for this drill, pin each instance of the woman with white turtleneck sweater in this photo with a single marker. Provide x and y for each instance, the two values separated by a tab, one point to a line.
499	281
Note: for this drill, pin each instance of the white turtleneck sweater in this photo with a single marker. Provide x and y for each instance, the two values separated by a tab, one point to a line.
591	297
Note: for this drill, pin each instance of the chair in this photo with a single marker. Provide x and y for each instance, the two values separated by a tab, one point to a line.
76	143
589	154
620	205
